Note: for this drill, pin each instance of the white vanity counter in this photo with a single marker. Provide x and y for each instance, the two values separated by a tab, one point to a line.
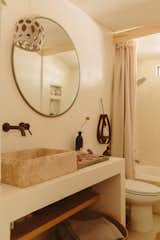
108	179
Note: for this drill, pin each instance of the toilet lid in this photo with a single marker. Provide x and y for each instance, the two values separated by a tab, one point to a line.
141	188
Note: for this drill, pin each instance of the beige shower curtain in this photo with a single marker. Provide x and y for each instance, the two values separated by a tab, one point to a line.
123	104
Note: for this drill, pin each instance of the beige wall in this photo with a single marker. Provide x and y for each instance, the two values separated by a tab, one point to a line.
94	46
147	128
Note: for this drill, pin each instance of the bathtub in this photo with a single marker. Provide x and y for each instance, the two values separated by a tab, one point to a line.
150	174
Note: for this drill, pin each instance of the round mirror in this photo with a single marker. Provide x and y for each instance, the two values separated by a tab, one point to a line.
48	80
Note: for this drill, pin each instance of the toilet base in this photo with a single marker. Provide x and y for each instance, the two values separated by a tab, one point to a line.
141	218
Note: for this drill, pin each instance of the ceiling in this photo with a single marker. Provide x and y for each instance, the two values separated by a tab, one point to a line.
122	14
149	46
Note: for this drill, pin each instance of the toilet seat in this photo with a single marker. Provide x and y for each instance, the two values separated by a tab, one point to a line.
141	188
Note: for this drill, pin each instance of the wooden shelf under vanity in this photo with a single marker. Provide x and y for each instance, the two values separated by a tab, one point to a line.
48	217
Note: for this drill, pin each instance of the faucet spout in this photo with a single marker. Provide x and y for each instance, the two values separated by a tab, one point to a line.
22	130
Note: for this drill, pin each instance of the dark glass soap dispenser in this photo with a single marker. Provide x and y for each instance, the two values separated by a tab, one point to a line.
79	142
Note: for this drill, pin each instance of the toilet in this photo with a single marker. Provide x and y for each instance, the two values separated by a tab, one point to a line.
141	196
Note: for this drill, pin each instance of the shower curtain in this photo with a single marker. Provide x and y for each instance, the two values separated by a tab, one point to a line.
123	104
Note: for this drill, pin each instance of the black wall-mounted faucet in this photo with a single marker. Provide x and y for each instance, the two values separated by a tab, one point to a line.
21	127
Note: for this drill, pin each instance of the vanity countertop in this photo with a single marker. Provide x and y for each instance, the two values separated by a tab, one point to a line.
18	202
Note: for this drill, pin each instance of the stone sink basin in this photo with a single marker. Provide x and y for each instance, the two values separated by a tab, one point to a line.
33	166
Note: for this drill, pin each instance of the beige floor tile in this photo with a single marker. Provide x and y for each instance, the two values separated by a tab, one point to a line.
147	236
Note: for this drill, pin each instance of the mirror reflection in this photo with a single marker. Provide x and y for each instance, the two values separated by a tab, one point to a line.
48	80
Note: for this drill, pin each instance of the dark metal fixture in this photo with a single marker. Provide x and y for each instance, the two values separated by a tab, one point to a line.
102	125
104	131
21	127
79	142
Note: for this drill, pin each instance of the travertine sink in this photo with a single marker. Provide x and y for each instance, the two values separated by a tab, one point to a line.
28	167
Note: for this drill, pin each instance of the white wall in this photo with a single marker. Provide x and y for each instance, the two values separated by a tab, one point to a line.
94	46
147	128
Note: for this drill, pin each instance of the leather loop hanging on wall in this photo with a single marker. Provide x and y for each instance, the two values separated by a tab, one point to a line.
104	128
103	124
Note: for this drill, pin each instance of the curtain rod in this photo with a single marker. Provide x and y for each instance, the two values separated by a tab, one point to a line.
137	32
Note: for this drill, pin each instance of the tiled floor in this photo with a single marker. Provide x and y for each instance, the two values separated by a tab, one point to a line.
147	236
